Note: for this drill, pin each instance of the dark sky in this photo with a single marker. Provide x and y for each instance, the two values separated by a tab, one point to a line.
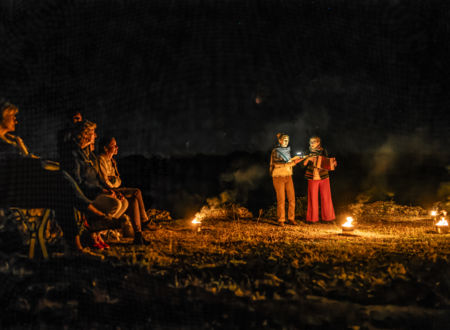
181	77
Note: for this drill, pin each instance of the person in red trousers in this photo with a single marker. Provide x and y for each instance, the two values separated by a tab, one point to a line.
318	182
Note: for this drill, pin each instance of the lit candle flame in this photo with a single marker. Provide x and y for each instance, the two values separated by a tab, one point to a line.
442	222
433	213
348	223
196	220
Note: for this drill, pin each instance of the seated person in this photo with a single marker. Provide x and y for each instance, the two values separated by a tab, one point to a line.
26	181
64	136
83	166
109	175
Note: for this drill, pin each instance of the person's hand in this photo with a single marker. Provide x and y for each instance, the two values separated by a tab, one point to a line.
119	195
109	192
296	161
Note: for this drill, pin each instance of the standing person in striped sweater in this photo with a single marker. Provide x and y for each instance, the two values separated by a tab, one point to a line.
318	182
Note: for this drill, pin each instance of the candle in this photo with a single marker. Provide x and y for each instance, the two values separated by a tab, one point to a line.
348	225
197	223
442	226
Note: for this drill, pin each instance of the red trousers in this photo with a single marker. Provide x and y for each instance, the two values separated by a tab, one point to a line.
314	187
284	186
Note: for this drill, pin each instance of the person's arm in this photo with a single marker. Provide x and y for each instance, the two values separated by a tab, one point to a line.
72	166
308	159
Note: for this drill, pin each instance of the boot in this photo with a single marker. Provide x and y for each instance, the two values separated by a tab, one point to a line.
139	239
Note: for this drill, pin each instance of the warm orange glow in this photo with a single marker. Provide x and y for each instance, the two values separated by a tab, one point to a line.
196	220
348	223
433	213
442	222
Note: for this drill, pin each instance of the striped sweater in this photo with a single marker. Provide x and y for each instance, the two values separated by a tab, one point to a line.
309	174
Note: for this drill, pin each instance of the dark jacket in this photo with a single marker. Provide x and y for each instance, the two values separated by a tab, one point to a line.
15	167
82	165
310	167
64	141
26	181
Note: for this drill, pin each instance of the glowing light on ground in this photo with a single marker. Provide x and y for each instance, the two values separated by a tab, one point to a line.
442	226
442	222
348	223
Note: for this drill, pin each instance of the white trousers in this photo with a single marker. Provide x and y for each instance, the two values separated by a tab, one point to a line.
111	206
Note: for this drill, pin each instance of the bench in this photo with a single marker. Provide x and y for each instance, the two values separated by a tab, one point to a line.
32	222
33	225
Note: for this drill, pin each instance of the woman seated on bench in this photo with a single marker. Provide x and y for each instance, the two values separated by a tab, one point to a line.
83	166
28	182
109	175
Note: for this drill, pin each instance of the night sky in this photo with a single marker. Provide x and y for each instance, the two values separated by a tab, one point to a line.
213	77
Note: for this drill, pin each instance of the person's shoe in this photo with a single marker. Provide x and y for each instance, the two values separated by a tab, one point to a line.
102	243
139	239
293	222
281	223
105	246
98	246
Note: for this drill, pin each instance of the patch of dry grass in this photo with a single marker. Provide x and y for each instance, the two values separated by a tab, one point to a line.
262	261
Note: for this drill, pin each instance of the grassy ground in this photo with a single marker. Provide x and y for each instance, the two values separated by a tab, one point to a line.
391	273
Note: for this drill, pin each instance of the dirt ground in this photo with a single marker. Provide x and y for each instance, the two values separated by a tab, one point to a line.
387	273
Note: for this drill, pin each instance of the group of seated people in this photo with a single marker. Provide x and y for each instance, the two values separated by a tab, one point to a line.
81	181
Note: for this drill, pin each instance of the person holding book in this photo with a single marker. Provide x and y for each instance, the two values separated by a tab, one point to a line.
281	164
